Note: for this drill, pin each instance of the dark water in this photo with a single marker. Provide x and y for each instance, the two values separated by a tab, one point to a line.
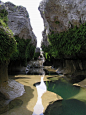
74	99
64	89
67	107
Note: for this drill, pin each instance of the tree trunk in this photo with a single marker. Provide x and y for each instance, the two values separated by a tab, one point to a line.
3	72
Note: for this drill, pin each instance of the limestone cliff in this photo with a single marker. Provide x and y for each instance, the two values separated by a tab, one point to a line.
19	21
60	15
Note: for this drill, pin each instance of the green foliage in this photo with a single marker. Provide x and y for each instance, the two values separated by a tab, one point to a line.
25	51
2	23
3	13
7	41
43	12
3	17
27	16
7	45
71	43
47	52
57	22
36	55
30	50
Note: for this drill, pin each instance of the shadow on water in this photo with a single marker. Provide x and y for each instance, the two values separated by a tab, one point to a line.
77	79
66	107
18	105
62	88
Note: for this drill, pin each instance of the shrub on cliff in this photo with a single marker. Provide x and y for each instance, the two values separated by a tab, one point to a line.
7	44
3	17
68	44
7	41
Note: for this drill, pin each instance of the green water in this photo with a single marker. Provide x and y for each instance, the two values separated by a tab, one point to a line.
74	99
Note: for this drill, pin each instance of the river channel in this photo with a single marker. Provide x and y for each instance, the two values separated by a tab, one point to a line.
46	93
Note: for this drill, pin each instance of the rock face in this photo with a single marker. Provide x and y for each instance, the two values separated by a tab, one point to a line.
46	24
37	50
60	15
19	22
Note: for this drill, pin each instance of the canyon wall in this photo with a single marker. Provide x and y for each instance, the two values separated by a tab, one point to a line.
60	15
19	22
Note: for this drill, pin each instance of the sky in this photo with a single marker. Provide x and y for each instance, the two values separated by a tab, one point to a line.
34	14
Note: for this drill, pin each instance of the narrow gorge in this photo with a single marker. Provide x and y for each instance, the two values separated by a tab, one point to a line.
50	80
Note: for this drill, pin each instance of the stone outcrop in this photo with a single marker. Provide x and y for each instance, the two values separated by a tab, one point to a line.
37	50
60	15
19	21
12	89
36	63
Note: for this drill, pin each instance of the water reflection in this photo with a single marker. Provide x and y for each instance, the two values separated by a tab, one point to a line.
41	89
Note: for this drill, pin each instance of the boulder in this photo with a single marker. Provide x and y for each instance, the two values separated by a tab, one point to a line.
12	89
